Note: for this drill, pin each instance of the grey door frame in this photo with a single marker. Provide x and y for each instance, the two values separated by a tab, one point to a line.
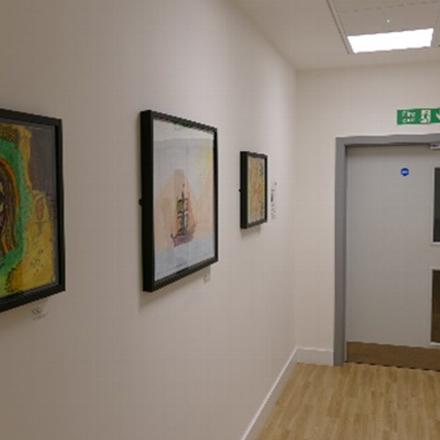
342	146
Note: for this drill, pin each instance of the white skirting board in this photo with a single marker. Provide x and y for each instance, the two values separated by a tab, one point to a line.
299	355
317	356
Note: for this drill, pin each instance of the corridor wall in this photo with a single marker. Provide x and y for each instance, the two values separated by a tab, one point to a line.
104	360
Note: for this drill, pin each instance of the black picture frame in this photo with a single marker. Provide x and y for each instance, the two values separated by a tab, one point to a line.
245	220
12	125
152	282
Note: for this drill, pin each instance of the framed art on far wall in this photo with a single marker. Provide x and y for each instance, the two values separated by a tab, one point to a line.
253	189
31	208
179	198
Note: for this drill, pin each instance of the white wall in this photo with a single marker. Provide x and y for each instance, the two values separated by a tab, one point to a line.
332	103
194	361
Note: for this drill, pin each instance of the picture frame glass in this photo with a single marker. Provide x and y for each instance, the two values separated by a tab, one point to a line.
31	235
256	184
253	189
184	199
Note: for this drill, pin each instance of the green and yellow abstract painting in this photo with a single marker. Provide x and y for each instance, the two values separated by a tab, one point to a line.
27	207
256	189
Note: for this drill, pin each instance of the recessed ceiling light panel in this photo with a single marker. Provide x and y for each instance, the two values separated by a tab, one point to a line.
414	39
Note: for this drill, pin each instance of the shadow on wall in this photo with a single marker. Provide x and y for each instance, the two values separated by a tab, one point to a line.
146	298
18	316
251	232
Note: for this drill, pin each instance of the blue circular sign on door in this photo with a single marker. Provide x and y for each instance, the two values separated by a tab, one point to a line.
404	172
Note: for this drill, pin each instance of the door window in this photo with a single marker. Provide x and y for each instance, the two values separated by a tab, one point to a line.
435	326
437	205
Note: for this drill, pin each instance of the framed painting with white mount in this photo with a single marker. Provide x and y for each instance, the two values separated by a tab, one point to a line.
179	198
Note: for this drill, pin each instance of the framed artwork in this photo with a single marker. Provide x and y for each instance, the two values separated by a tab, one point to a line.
253	189
31	208
179	198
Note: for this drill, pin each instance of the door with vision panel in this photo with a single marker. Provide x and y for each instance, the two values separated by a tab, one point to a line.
391	256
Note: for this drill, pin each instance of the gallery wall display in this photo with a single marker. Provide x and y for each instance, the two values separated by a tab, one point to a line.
253	189
179	198
31	208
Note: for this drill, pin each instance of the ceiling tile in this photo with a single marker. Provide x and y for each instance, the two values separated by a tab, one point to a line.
371	21
364	5
304	31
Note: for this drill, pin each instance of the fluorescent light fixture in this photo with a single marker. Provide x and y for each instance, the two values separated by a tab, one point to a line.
391	41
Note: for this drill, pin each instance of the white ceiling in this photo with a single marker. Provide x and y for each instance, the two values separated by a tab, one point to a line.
307	34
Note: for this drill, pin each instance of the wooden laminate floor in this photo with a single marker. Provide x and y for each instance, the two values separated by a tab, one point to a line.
357	402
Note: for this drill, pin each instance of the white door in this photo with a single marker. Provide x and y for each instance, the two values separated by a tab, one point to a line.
390	249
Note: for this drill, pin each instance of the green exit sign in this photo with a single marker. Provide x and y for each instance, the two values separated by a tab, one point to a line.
418	116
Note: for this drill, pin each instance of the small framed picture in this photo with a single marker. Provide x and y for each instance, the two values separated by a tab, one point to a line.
179	198
31	208
253	189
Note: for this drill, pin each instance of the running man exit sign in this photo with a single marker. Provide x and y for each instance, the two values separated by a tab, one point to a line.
418	116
